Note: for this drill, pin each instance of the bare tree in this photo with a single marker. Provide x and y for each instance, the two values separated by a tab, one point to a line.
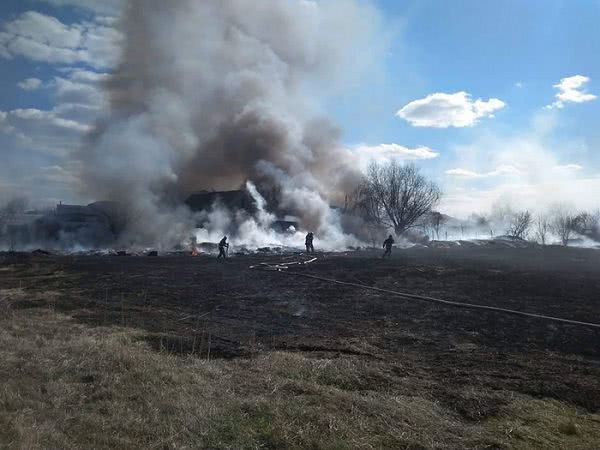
563	224
13	207
542	228
480	220
501	213
519	225
587	224
396	195
436	221
8	212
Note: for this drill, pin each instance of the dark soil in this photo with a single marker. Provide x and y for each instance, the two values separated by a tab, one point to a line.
223	309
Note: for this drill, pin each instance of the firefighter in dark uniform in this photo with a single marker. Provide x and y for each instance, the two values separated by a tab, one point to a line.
223	246
309	243
387	244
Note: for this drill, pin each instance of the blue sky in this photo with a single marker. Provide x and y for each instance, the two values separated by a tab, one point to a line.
475	81
485	48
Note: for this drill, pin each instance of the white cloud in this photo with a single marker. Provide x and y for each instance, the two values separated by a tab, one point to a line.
508	170
519	84
442	110
395	151
463	173
362	155
30	84
58	175
70	91
33	141
569	167
48	118
38	146
572	90
500	170
80	96
80	101
43	38
87	76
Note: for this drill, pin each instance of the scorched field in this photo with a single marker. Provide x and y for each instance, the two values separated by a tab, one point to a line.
176	352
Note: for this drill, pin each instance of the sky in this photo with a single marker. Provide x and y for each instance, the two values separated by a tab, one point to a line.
495	100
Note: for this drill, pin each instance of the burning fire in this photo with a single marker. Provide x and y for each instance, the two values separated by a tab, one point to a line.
195	251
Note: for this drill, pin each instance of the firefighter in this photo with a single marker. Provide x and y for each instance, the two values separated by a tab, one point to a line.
387	244
309	243
223	246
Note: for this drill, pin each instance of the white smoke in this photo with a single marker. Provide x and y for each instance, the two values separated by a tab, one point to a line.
253	232
210	94
264	218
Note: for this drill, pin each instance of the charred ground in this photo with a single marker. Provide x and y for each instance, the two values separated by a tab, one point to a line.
471	363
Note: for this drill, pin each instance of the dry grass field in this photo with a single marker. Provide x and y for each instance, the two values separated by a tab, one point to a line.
180	353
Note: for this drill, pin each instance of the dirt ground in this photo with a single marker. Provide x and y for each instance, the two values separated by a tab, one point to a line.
470	362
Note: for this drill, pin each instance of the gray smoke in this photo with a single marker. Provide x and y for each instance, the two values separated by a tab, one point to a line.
213	93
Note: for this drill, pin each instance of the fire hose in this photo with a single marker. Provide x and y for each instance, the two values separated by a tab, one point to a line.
283	268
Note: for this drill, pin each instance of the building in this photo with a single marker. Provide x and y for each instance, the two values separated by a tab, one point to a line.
232	200
239	200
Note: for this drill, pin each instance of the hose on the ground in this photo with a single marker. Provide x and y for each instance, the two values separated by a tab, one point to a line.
282	268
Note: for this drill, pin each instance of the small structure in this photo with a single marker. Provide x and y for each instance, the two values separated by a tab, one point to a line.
233	200
18	229
239	200
95	224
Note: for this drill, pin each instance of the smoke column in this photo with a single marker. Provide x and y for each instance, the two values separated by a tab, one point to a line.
210	94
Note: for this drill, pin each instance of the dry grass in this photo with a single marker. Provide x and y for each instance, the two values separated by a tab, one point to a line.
66	385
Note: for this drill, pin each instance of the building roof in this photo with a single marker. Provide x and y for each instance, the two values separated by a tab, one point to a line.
202	201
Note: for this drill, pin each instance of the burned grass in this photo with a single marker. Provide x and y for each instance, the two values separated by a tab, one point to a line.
191	353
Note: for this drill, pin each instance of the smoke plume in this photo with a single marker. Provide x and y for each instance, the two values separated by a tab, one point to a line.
210	94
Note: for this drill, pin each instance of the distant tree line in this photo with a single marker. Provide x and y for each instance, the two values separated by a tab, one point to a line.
398	197
558	221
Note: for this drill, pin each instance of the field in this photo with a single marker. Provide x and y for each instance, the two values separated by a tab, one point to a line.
180	352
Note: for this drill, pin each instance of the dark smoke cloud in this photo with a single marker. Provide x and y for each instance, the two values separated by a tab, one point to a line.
212	93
